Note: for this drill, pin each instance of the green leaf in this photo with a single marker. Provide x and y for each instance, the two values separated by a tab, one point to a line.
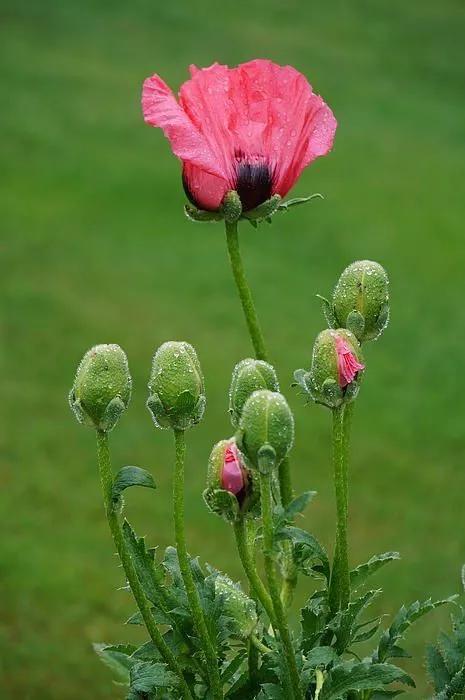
307	549
359	575
298	505
436	667
313	619
117	658
230	668
328	311
343	624
131	476
387	647
355	676
285	206
454	689
146	677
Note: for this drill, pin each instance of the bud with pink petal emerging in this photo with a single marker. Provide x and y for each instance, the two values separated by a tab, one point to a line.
229	491
337	367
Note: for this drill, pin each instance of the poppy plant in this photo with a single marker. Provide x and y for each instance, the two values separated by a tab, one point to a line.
252	129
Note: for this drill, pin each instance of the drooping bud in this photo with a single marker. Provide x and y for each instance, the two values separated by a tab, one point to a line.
230	492
337	366
102	387
361	300
237	606
248	376
266	429
176	386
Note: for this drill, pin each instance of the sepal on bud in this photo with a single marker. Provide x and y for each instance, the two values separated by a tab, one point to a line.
249	375
360	300
266	429
102	387
177	393
230	490
337	366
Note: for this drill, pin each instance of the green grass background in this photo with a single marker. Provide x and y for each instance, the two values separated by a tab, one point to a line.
95	248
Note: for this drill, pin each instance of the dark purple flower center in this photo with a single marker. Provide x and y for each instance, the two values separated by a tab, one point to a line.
254	181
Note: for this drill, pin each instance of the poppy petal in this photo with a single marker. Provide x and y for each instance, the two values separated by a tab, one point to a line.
161	109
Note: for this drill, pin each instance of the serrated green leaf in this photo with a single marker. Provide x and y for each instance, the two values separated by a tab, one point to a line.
117	658
313	619
403	620
359	575
436	667
147	677
231	667
455	688
297	506
355	676
151	574
306	548
131	476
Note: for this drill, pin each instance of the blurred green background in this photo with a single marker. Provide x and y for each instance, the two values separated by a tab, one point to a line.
95	248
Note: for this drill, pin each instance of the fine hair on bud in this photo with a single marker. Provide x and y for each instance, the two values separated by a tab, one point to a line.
249	375
102	387
336	370
176	387
266	428
360	300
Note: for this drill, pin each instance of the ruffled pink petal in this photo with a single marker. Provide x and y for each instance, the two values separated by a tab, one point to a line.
347	363
232	477
161	109
205	99
206	191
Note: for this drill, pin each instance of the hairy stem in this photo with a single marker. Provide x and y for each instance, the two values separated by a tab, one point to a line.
339	593
256	584
258	342
106	478
270	570
245	295
186	572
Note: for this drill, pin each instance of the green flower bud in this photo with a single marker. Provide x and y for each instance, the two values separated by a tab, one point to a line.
337	366
176	386
230	490
361	300
237	606
266	429
248	376
102	387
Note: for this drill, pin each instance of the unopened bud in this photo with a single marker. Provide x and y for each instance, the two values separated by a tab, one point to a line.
177	392
248	376
266	429
230	489
102	387
361	300
337	366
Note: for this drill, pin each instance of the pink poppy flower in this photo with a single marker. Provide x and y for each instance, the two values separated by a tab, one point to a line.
347	364
232	474
252	129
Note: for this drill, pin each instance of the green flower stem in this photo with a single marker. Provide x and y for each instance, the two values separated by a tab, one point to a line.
186	572
245	295
256	584
270	570
289	567
339	593
258	342
262	648
106	478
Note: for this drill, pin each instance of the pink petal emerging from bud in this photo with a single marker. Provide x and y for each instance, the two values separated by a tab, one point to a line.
232	476
347	363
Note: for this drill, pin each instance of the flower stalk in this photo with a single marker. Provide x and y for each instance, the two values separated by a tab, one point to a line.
256	584
186	572
106	478
270	570
339	592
